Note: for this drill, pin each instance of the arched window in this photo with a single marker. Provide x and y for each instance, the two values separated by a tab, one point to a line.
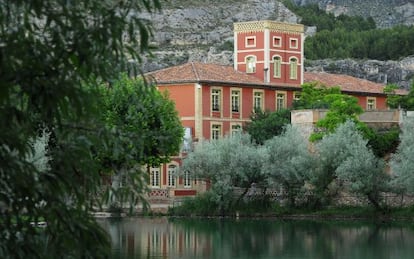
171	174
251	64
293	68
277	62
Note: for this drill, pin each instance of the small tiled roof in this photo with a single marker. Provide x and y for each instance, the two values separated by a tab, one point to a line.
346	83
202	72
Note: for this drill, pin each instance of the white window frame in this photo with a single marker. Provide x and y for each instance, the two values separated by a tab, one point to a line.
277	67
172	175
293	68
155	177
251	64
294	43
235	128
235	100
371	106
187	179
216	131
279	39
258	95
216	99
284	100
248	38
296	96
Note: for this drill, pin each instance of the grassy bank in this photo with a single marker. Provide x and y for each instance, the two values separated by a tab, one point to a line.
202	206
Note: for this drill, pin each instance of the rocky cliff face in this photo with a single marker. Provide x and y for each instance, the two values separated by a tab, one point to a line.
203	30
195	30
386	13
385	72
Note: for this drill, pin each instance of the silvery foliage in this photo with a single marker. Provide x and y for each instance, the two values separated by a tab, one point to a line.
353	161
233	161
245	160
330	152
336	147
289	161
39	156
402	162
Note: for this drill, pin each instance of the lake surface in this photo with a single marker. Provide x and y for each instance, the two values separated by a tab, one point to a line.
258	238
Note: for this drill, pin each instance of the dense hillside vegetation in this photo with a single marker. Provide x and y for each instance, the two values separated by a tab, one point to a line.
352	37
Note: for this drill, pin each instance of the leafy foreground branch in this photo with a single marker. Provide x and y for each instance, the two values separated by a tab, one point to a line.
49	51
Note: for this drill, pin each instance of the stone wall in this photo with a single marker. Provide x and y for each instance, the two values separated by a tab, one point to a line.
342	198
305	120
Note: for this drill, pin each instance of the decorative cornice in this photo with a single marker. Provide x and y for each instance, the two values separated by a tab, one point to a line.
256	26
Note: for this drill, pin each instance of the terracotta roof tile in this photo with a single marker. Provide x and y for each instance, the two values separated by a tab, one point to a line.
201	72
345	82
194	72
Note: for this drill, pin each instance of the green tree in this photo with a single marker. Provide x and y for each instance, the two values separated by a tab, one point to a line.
49	50
233	161
393	100
341	108
313	96
361	171
288	162
402	163
351	36
384	141
324	175
408	100
344	155
400	101
265	125
148	132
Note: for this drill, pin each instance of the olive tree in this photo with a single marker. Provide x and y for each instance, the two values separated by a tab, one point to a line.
49	50
402	162
289	162
233	161
345	156
362	172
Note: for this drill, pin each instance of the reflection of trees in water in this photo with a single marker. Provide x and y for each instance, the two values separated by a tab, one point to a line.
262	238
246	238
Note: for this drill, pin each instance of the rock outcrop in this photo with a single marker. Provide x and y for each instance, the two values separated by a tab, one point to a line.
385	72
386	13
203	31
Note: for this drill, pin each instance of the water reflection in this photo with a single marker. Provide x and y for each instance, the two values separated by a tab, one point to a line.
261	238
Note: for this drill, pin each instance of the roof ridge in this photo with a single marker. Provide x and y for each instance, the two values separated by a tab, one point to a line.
195	71
346	76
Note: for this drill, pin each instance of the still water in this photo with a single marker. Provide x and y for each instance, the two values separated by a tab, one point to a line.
258	238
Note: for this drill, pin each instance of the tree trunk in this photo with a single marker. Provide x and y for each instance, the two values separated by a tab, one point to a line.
242	196
374	200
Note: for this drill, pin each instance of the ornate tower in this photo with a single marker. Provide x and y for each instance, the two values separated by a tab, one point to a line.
269	50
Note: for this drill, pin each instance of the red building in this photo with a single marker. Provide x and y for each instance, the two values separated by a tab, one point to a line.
214	100
271	51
